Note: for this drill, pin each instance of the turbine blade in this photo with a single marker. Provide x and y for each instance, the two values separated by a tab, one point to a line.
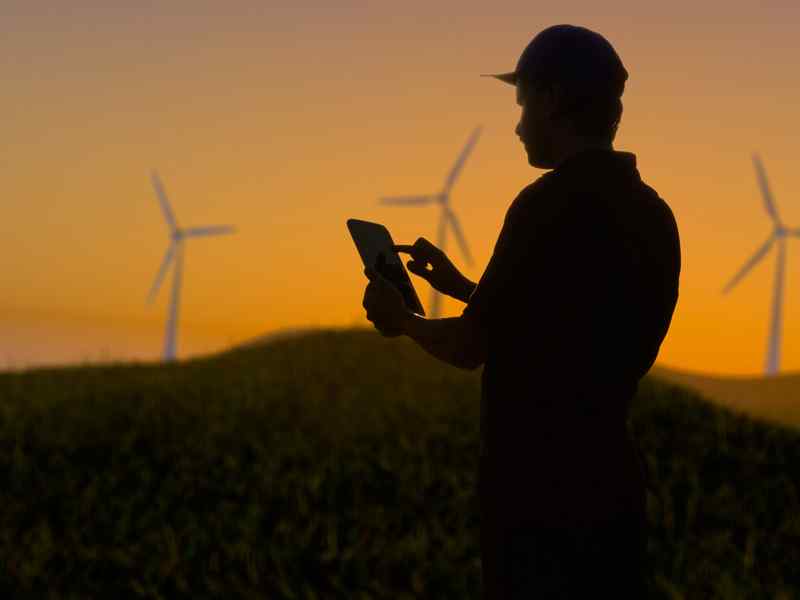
750	263
459	235
765	192
407	200
162	197
215	230
161	272
460	162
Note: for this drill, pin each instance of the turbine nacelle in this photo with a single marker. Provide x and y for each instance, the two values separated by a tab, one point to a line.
179	234
782	231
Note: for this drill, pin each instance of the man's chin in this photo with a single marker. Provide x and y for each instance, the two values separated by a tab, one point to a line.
537	162
531	156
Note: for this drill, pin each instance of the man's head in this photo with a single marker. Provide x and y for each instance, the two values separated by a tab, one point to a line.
569	82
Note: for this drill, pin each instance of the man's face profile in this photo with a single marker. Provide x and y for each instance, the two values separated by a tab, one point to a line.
536	128
530	129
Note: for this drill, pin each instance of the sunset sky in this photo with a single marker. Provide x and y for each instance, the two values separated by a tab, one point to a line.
286	119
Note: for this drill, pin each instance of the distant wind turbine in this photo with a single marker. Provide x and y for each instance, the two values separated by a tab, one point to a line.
779	232
447	215
175	249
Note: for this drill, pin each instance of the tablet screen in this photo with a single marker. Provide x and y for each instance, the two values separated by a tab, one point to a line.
373	239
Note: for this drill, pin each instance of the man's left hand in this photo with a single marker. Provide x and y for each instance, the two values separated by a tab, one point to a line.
384	304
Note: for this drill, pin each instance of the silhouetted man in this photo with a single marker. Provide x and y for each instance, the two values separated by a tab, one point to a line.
568	316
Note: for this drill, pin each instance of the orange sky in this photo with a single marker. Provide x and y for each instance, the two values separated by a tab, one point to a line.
287	121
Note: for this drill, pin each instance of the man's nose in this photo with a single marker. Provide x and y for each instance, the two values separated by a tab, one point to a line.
517	130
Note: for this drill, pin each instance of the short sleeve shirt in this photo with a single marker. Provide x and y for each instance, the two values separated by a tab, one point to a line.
575	300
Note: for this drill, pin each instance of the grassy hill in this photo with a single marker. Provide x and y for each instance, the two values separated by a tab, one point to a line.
339	464
774	399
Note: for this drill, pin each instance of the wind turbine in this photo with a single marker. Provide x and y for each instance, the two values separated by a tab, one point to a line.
175	250
779	232
447	215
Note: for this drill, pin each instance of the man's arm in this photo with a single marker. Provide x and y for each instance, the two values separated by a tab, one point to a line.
451	340
464	290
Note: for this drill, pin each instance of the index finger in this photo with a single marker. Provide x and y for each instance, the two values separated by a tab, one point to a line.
402	248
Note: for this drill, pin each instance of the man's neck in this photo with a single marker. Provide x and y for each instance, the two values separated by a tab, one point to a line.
577	146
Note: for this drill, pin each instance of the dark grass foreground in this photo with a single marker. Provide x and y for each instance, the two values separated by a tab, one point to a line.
339	465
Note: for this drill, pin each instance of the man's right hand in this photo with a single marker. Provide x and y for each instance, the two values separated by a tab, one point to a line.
443	275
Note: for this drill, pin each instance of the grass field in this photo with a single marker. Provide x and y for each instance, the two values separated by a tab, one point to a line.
340	464
773	399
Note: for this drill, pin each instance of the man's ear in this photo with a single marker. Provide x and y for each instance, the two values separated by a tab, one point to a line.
553	100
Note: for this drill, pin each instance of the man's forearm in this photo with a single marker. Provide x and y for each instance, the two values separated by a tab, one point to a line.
464	290
438	337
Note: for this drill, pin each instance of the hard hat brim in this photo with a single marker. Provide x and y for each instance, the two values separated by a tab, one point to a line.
510	78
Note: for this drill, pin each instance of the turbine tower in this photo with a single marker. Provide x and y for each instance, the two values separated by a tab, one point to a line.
779	232
447	214
175	250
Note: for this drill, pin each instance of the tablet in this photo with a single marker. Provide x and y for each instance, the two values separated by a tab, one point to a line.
373	238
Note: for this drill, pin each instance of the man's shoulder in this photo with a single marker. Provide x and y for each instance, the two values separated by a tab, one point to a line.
545	183
540	200
536	192
651	200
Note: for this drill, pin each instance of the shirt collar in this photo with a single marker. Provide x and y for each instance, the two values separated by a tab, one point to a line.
603	159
